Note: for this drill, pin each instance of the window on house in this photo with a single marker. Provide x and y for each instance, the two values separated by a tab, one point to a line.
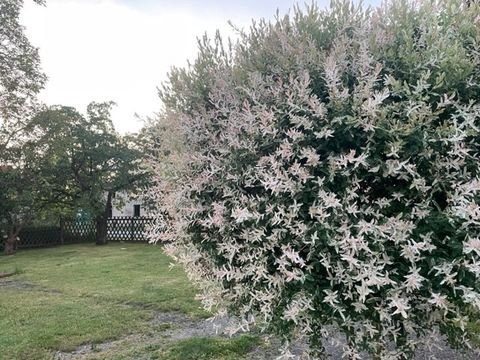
136	210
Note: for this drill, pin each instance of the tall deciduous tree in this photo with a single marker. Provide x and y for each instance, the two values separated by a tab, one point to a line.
21	77
18	194
85	161
20	81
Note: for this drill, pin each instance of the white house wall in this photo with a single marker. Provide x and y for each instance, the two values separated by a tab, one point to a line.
126	209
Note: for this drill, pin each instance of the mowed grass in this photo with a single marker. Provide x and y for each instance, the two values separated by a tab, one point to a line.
208	348
66	296
116	273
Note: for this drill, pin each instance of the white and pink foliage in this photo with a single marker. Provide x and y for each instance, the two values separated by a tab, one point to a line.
331	178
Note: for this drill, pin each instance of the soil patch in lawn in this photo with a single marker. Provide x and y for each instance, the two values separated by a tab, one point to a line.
183	327
20	285
6	274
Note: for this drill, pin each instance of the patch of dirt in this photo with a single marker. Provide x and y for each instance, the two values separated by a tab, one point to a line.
270	349
85	350
16	284
184	327
20	285
4	274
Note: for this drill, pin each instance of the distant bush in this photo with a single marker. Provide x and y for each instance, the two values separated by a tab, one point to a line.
329	174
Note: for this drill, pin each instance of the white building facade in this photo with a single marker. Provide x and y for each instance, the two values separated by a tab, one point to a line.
125	205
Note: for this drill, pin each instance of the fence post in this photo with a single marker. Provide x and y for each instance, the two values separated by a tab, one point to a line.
132	229
109	226
62	229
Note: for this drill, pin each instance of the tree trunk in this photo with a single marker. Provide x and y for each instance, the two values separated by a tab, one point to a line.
10	241
101	230
101	222
9	244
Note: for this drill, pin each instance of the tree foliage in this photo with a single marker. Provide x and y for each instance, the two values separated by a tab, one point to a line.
84	161
21	77
87	152
20	81
329	174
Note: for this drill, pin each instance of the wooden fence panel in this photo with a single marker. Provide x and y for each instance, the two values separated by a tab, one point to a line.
40	236
74	232
127	228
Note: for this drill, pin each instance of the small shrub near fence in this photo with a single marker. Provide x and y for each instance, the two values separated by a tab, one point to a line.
75	232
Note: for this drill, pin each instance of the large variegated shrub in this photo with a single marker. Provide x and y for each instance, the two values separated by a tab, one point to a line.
326	174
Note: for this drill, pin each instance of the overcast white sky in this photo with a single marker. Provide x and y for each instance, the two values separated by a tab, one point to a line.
121	50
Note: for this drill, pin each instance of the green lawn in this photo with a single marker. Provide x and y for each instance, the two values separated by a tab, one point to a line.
67	296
